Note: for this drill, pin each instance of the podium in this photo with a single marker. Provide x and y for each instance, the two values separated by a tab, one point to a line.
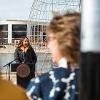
15	65
24	72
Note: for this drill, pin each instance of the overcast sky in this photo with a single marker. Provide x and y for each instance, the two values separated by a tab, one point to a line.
15	9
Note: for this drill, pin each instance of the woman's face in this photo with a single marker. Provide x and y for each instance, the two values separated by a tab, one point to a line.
54	50
25	42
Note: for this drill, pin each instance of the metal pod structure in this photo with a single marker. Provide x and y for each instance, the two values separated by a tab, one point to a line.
90	50
41	13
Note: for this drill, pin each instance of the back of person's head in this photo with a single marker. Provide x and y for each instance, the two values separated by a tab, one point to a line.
66	30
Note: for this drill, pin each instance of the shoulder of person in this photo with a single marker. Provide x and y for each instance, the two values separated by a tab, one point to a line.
56	72
30	47
40	78
12	91
17	49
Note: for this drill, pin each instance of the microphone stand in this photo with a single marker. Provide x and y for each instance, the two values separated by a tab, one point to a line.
8	64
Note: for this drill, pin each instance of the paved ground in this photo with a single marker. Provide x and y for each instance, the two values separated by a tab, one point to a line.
12	76
11	49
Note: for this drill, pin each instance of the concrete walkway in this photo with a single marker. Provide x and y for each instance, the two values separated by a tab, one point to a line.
11	49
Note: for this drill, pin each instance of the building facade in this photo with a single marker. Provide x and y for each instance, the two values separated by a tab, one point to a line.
13	30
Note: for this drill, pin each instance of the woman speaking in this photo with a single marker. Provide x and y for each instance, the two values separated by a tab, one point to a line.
26	58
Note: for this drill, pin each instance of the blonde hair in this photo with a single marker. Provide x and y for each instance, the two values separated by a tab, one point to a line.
66	30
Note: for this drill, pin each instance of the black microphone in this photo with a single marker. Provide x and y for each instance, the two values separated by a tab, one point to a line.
8	64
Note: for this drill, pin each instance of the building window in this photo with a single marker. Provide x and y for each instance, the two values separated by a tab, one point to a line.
19	30
18	27
3	34
18	34
3	27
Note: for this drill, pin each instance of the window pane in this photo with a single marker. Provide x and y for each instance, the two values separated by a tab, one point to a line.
4	27
19	27
3	34
18	34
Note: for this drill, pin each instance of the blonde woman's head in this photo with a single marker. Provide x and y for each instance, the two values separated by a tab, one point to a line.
65	30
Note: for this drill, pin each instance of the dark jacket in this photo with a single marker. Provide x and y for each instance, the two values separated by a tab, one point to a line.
25	57
29	57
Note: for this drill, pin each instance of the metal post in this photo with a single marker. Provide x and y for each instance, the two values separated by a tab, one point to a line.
90	50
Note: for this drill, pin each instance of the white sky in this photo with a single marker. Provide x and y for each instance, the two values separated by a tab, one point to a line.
15	9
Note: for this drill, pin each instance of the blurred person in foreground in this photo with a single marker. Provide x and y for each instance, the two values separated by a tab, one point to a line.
26	58
9	91
61	83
